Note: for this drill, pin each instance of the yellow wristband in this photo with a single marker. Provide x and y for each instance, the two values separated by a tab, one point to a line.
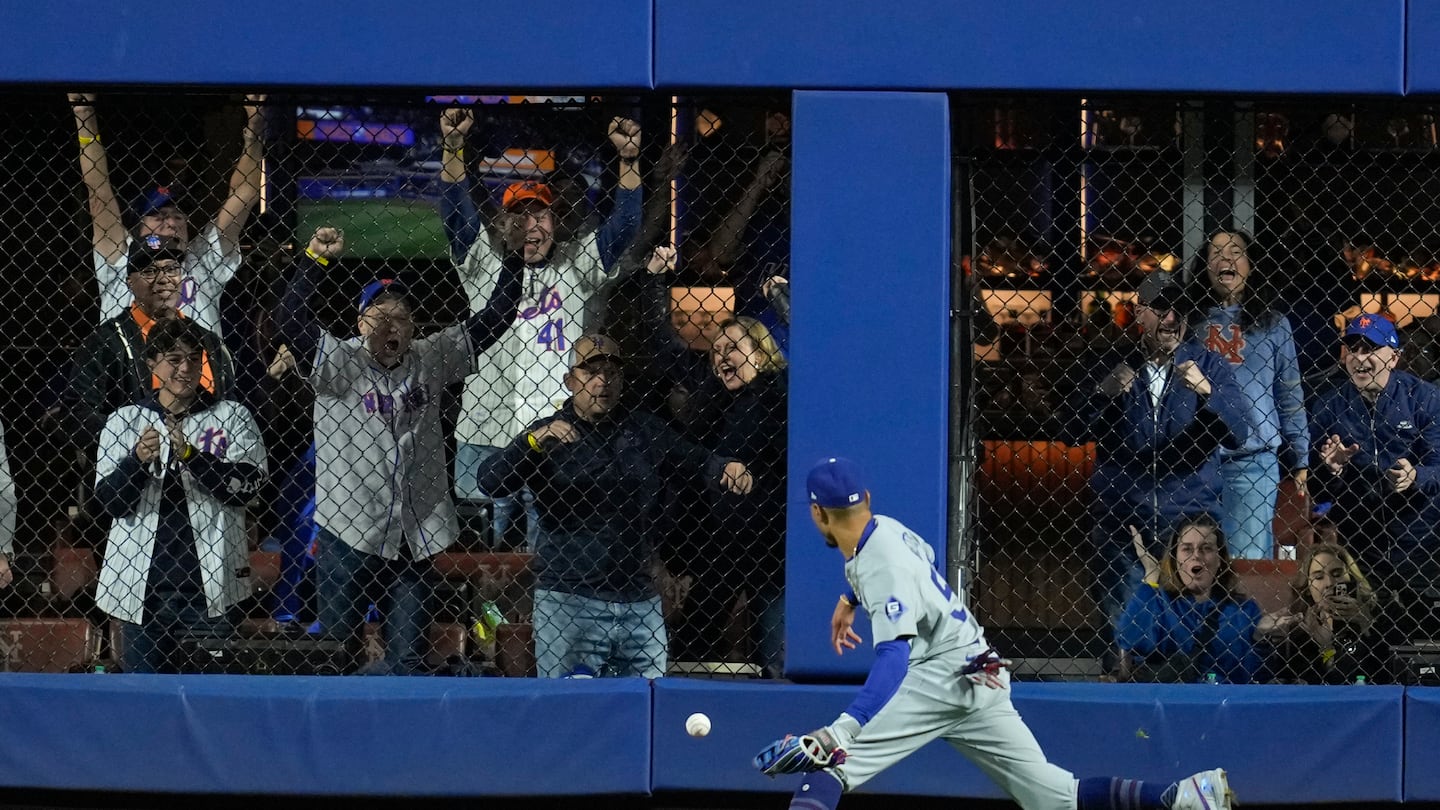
324	262
86	140
534	443
189	453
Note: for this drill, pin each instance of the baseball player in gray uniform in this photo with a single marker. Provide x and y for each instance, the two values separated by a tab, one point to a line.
933	676
382	492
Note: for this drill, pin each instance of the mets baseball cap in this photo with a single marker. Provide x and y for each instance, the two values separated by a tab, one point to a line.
378	286
153	200
525	190
596	347
1161	291
835	483
147	250
1377	329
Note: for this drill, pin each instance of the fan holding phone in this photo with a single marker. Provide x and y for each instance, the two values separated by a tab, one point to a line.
1331	633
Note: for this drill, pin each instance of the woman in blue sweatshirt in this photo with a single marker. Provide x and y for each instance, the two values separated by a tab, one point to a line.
1240	324
1190	619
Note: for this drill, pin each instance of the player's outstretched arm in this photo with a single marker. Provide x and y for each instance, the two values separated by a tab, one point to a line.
245	180
107	229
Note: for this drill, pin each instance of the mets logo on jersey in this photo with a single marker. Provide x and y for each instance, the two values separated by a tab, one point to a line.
409	400
894	609
214	441
1231	348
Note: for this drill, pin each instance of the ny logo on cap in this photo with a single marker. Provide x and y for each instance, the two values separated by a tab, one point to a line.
1366	320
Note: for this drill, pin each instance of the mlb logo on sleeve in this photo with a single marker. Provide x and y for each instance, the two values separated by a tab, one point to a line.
894	609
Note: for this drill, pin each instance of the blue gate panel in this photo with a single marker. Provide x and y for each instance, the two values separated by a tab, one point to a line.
1322	46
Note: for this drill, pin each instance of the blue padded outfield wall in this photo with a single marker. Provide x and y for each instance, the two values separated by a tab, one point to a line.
871	269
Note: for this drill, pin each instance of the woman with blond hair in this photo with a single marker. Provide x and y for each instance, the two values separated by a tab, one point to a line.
741	408
1330	634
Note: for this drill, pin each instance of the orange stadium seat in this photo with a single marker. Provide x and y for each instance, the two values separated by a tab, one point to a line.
47	645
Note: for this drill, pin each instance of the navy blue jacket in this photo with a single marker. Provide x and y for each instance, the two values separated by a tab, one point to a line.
1164	463
598	497
1374	520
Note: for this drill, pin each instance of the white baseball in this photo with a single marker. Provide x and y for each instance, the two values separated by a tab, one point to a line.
697	725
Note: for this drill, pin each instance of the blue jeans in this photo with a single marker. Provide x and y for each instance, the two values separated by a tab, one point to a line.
343	576
770	618
576	634
1252	484
156	645
504	511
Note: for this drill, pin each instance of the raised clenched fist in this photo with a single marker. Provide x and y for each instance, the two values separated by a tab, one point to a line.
625	136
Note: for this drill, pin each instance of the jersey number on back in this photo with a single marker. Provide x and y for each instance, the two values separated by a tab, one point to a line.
927	555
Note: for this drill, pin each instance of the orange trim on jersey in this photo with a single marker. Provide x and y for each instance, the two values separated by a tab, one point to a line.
144	321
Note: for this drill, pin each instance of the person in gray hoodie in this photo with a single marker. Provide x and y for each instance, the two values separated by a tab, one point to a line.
1237	321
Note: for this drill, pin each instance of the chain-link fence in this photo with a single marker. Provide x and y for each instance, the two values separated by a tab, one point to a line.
434	402
1203	342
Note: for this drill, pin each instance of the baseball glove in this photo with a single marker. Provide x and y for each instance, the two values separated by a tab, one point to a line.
815	751
984	669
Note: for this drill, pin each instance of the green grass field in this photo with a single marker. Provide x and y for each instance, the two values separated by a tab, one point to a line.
379	229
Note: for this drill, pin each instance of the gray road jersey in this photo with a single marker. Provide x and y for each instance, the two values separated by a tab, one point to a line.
380	474
894	575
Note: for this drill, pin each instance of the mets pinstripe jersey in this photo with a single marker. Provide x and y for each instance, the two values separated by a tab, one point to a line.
893	572
522	378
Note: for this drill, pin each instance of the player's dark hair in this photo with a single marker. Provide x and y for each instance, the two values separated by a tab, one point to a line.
167	335
1226	581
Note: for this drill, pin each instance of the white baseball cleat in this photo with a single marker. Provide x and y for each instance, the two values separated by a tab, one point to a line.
1207	790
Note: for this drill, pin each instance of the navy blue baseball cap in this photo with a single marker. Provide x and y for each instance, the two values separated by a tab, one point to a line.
835	483
378	286
147	250
152	200
1377	329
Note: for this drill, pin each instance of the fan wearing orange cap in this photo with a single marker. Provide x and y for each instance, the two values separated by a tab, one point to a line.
523	377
